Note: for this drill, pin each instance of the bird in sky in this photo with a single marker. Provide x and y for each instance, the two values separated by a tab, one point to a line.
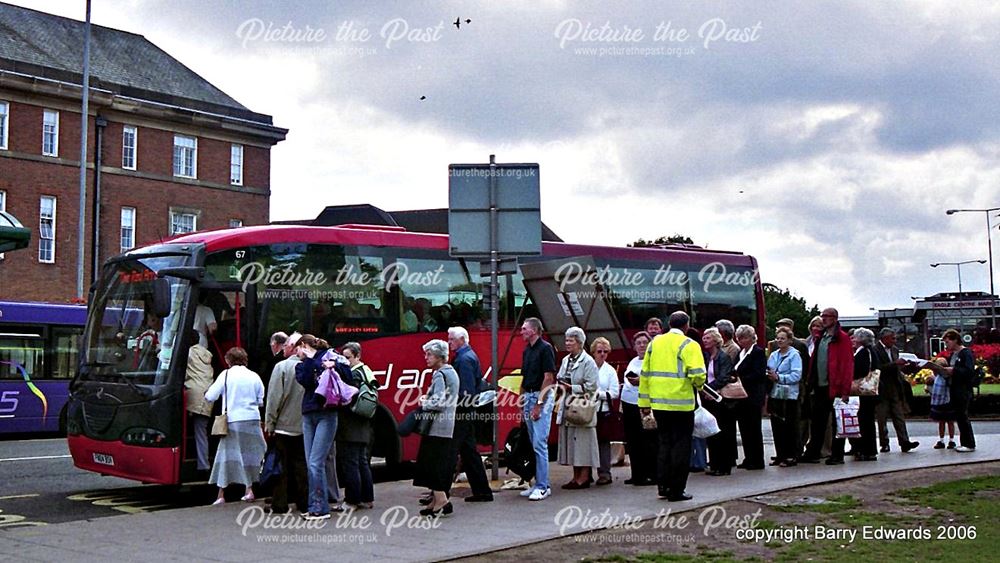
458	23
423	98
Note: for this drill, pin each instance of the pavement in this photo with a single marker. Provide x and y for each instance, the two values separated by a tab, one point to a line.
393	530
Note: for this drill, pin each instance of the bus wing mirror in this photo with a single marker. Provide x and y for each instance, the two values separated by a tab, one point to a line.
161	298
189	273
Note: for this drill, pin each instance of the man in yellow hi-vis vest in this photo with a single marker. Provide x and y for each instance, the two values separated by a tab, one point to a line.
672	372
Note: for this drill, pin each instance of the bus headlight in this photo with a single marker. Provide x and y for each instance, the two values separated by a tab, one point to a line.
144	437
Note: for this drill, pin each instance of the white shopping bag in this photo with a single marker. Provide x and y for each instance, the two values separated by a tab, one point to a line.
705	424
848	425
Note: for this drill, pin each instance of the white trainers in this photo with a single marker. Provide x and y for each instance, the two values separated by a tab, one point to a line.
527	492
540	494
964	449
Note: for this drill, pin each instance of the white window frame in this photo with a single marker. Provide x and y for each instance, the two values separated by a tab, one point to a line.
4	120
41	235
46	113
180	171
135	146
235	223
174	214
130	233
236	165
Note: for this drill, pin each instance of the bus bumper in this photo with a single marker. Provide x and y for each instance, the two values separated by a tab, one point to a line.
148	465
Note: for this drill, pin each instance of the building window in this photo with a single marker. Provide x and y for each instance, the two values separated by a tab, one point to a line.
181	223
236	165
128	228
235	223
50	132
185	156
4	109
47	230
130	137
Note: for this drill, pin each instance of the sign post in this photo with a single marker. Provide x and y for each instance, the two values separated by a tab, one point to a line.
505	199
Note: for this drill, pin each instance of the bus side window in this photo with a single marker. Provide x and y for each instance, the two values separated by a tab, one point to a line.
65	352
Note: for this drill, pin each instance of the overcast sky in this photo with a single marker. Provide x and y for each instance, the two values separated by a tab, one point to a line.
826	139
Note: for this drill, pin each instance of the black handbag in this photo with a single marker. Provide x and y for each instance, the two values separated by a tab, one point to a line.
418	421
270	467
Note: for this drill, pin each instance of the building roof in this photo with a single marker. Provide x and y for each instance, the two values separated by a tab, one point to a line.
48	46
413	220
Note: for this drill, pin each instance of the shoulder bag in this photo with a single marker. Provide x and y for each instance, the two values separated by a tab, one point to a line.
220	426
579	409
734	390
610	427
867	386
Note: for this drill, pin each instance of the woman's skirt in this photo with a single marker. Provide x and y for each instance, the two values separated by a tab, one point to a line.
578	446
239	455
435	463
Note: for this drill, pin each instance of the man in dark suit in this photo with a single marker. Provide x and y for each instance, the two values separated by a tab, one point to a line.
892	400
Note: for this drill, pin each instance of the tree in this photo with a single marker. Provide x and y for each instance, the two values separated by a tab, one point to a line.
782	303
672	239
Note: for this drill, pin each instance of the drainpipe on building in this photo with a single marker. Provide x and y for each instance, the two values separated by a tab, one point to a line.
95	242
84	118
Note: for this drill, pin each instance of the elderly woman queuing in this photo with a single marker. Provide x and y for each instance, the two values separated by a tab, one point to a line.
641	444
719	367
577	380
959	373
784	370
241	450
750	371
354	432
607	393
436	457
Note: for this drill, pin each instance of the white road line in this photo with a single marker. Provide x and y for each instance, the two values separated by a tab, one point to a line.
36	457
19	496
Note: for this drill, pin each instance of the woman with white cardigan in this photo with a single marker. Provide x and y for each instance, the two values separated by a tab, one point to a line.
607	393
241	450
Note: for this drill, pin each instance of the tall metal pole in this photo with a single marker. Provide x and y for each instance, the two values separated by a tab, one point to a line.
989	250
959	266
84	113
494	313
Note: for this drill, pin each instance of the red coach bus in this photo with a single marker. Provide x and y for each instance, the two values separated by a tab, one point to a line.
388	289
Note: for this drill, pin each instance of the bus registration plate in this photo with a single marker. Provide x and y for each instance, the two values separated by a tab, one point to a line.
104	459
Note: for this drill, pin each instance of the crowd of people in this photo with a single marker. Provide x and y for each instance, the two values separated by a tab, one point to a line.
797	383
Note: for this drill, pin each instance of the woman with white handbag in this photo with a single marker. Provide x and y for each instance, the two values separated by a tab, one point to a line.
577	380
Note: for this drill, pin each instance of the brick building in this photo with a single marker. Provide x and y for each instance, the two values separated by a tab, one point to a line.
174	152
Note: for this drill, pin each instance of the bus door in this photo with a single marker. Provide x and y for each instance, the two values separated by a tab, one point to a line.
222	317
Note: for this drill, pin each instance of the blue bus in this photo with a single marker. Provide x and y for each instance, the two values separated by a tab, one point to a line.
39	345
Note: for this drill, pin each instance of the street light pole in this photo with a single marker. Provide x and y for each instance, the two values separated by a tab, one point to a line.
959	266
989	249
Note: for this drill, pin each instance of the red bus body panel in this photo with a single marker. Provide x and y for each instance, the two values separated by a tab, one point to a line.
149	465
